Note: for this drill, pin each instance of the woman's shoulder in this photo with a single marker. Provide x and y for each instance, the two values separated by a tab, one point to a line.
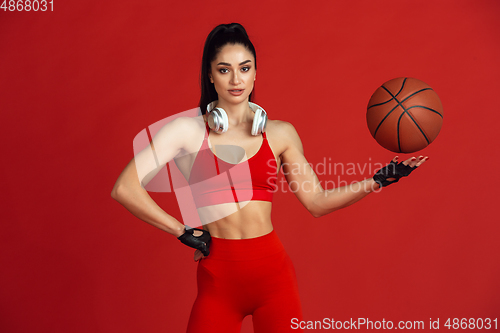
282	135
281	128
185	132
185	126
189	123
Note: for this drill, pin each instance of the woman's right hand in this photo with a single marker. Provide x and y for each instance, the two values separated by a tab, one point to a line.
196	238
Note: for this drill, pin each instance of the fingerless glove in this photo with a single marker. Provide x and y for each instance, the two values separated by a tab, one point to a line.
201	242
392	170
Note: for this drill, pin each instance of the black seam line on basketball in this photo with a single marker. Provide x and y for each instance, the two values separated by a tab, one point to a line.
416	92
400	104
425	136
387	115
406	111
397	128
425	107
380	103
402	86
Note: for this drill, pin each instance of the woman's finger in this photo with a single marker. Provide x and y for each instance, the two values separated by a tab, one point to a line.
410	161
422	160
198	255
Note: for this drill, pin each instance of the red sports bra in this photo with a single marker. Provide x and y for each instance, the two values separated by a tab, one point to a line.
214	181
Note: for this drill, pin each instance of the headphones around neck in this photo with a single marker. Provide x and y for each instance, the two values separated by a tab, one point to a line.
218	121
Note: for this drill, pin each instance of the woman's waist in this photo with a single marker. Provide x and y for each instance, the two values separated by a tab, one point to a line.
237	220
243	235
232	249
241	225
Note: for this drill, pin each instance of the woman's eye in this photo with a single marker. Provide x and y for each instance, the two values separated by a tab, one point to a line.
225	70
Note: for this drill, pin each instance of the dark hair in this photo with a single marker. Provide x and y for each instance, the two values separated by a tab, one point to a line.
220	36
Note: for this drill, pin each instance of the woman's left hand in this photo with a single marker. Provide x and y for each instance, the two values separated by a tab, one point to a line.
395	170
198	255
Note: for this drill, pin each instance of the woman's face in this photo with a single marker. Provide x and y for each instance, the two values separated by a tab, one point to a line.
233	73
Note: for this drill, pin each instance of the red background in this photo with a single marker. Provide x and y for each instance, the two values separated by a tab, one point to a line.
78	84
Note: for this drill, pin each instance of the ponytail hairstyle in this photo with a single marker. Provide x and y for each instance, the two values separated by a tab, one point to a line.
220	36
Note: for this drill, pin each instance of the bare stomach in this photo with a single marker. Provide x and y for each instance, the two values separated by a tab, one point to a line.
248	219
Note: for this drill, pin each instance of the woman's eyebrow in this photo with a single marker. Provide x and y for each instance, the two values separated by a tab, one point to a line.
227	64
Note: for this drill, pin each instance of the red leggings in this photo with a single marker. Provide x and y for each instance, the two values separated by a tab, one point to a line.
243	277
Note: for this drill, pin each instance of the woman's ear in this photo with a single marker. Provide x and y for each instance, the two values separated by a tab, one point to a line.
210	77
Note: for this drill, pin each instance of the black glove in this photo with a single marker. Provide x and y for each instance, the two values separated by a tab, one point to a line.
392	170
201	242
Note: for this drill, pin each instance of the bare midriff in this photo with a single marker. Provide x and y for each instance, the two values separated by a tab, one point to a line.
252	220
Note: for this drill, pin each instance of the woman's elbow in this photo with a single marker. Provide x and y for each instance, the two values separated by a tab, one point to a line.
315	212
316	207
116	192
319	210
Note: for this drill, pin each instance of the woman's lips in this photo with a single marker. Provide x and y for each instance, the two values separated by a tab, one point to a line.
236	92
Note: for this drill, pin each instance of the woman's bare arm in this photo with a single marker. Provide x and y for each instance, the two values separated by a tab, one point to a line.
305	184
129	192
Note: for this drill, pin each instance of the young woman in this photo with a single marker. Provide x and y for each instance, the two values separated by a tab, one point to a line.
243	268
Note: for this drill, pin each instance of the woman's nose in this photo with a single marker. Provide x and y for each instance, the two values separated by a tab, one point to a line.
235	78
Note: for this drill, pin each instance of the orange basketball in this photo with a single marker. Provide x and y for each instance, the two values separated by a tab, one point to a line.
404	115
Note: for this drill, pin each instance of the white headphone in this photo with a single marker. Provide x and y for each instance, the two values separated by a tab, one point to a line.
218	122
